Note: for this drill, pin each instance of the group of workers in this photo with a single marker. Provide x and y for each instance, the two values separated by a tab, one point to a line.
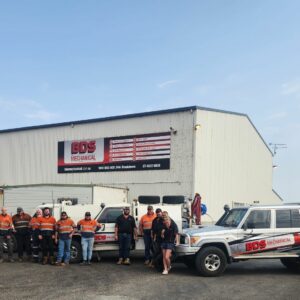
159	232
44	231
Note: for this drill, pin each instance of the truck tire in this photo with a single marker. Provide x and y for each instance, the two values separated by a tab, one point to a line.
292	264
211	261
76	252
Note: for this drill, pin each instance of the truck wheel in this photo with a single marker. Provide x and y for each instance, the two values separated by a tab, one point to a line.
292	264
211	261
76	252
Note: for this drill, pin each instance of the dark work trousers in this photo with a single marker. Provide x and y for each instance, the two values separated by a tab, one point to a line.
35	245
47	245
23	241
147	242
156	249
124	245
4	239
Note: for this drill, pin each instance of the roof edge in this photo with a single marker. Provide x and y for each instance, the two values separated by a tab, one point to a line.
277	195
135	115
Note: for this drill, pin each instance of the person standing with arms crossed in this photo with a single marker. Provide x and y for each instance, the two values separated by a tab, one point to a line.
87	228
125	228
145	231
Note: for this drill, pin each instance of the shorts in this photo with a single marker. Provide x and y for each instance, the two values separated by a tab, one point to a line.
169	246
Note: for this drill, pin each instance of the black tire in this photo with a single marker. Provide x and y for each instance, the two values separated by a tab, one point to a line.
292	264
211	261
76	252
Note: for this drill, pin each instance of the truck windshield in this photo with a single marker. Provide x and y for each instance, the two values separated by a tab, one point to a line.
233	217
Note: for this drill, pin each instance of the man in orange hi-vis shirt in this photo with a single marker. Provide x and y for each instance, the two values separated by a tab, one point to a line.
87	228
63	236
47	235
6	227
145	230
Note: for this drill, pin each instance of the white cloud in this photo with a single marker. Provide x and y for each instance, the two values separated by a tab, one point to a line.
42	115
166	83
28	109
291	88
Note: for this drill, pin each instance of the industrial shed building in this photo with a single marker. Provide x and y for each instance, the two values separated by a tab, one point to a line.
175	152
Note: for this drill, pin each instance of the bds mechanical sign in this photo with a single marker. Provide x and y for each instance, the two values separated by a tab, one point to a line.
127	153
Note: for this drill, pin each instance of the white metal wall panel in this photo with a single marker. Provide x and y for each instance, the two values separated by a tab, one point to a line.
233	165
30	157
224	160
30	197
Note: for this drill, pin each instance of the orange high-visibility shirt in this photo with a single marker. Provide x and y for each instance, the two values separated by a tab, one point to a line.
21	221
146	221
88	226
65	226
47	224
34	223
5	223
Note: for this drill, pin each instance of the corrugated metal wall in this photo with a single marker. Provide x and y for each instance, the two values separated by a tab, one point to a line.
30	157
233	165
30	197
225	159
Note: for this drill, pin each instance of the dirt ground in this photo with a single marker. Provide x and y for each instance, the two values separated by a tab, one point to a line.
106	280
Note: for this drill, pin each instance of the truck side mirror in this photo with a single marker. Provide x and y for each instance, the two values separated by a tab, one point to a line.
245	227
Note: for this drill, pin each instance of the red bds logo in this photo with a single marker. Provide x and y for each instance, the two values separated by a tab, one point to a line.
83	147
257	245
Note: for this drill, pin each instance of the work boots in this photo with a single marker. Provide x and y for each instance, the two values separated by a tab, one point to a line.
52	262
45	260
126	261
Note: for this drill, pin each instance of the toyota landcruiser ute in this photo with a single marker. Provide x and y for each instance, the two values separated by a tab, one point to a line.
255	232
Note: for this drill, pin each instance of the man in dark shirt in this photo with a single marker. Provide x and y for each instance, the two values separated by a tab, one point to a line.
124	230
21	223
157	226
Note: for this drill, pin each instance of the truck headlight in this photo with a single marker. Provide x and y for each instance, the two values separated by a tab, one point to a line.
195	240
186	240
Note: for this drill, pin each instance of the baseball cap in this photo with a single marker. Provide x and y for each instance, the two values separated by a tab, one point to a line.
19	209
158	210
88	214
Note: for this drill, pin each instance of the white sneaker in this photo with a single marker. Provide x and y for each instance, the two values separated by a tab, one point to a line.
169	268
165	272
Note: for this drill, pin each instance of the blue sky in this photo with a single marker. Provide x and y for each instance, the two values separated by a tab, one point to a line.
71	60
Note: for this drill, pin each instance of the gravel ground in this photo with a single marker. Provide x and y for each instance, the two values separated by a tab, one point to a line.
106	280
